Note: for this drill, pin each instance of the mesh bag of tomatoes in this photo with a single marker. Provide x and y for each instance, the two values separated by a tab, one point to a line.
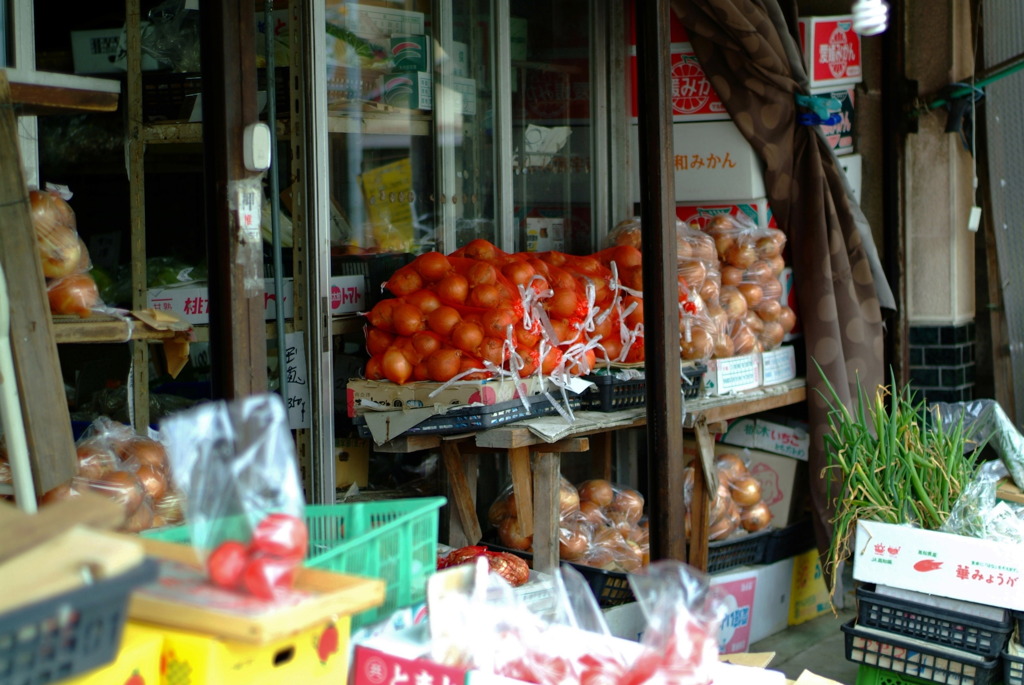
481	312
235	464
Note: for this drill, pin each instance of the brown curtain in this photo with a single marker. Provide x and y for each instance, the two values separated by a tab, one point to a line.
748	52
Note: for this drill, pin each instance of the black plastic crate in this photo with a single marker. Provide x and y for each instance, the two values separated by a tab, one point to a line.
616	394
1013	669
741	551
981	636
789	541
73	632
917	658
468	419
375	268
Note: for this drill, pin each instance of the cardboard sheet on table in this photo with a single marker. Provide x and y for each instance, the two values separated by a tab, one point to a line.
555	428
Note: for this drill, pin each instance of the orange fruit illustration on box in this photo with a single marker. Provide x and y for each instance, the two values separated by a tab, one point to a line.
327	643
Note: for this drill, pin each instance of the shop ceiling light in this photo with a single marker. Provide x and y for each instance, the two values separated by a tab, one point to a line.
870	17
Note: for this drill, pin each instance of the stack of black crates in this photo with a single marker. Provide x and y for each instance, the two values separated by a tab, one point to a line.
902	637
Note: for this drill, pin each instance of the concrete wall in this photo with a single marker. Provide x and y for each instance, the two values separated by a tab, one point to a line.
938	175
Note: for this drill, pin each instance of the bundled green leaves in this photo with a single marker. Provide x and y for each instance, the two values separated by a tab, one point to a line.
894	461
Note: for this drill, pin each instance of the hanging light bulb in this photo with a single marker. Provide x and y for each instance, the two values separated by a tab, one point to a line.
870	17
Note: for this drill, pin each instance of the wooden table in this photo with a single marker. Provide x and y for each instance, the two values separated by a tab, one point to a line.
535	464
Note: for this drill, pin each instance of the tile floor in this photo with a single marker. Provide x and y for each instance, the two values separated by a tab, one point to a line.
818	646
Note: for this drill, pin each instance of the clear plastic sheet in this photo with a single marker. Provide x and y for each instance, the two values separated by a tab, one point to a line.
174	37
988	425
235	464
979	514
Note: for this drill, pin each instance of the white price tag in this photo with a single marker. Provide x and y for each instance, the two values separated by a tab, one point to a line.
250	206
296	380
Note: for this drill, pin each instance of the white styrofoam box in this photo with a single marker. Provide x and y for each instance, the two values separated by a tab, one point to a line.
100	51
698	214
840	136
711	160
192	302
852	167
771	600
692	97
942	564
778	365
733	374
831	50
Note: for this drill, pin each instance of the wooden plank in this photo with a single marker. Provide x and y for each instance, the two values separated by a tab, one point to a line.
238	346
64	562
33	99
522	488
44	404
136	160
726	408
513	435
407	444
705	487
546	474
42	92
601	455
661	306
73	330
463	497
248	620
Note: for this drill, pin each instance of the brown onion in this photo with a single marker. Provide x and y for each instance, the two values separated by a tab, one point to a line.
597	490
508	534
745	491
756	517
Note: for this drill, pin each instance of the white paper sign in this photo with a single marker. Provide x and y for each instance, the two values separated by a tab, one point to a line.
296	381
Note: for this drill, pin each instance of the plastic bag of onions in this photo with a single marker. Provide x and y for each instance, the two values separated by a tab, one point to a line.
61	251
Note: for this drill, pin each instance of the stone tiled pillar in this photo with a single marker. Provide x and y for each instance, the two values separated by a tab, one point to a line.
942	362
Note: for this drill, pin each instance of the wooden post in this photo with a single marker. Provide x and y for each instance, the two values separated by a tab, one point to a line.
463	489
546	511
234	200
44	405
661	323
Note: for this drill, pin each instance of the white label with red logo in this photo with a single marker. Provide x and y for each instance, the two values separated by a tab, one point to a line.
831	50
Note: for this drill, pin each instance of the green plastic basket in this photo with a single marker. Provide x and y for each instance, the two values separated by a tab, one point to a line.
871	675
394	539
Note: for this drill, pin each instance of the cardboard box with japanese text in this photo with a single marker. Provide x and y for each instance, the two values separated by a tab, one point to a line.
362	393
783	480
699	214
192	301
809	596
317	655
777	435
955	566
137	660
831	50
840	135
692	97
711	161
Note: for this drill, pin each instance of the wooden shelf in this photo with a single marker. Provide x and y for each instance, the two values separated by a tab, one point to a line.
380	123
349	323
189	132
101	328
42	92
